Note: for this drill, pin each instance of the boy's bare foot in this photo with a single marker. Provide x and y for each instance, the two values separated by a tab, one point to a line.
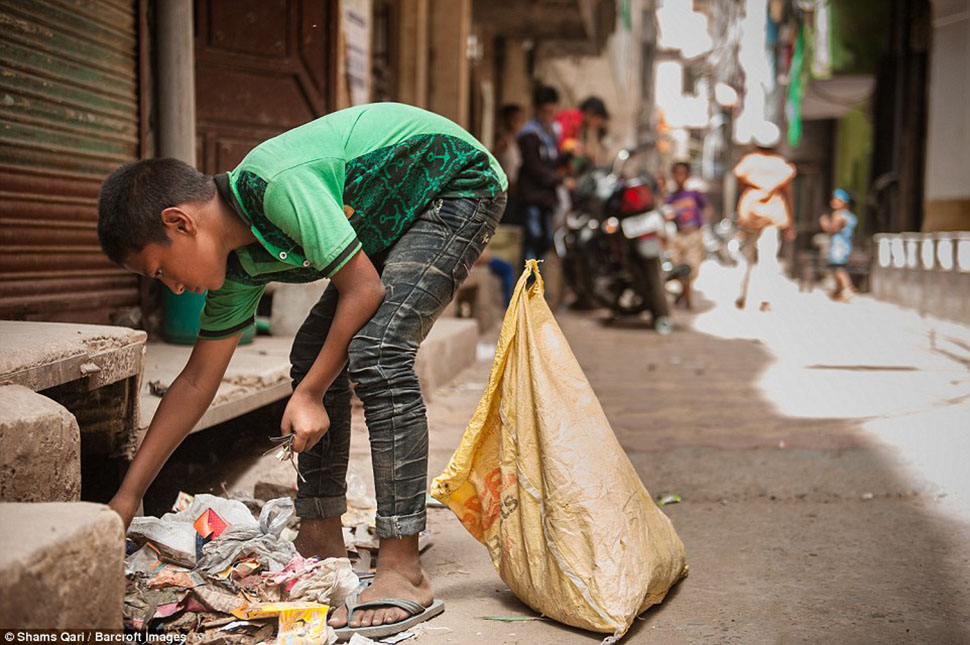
323	538
399	575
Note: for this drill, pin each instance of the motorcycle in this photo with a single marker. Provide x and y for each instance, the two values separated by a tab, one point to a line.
611	246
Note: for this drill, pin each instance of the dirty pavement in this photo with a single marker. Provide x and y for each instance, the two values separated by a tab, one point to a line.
849	520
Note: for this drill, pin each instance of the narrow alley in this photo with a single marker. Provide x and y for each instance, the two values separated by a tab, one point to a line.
821	470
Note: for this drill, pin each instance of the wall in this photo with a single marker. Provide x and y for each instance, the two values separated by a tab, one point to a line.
853	158
948	142
449	79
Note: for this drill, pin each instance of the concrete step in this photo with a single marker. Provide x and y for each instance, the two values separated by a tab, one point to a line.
40	448
92	370
449	348
259	373
61	566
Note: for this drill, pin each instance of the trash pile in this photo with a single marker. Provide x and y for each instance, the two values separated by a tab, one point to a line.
216	572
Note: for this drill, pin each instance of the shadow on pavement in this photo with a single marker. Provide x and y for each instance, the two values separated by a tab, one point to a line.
796	529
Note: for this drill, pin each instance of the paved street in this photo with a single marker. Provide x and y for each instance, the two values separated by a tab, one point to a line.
819	449
820	452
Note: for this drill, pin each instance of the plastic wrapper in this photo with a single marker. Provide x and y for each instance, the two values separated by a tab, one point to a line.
328	581
230	511
276	515
305	627
272	552
175	540
541	480
259	610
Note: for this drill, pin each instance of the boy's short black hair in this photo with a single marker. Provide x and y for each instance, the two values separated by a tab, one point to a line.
678	164
544	94
132	200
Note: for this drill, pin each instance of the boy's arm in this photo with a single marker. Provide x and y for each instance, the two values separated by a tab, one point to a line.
361	292
181	408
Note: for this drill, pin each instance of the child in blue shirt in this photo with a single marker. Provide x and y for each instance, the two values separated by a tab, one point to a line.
840	225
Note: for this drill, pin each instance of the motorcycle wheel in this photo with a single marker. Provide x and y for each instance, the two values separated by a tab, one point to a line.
657	294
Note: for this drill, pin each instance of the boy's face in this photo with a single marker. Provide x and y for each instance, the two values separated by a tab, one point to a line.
680	176
837	204
190	262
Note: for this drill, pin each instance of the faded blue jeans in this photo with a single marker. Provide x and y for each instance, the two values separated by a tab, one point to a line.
421	273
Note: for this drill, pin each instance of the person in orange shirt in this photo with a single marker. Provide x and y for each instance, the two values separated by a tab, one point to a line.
764	214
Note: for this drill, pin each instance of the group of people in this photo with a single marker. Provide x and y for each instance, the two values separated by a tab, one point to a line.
541	156
765	214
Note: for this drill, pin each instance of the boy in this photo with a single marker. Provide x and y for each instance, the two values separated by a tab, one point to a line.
394	205
688	211
840	226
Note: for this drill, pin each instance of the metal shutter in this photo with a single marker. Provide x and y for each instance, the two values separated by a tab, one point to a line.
69	114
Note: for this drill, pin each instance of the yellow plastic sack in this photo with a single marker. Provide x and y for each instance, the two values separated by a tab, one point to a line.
540	479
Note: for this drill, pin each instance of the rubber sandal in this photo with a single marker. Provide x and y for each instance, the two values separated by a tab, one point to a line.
418	614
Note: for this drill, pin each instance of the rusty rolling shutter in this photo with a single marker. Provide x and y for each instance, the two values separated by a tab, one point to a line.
68	116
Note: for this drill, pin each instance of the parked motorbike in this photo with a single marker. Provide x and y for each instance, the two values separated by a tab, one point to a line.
611	246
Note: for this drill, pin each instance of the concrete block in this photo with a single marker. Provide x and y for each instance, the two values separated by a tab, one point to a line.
292	303
61	566
449	348
41	355
258	374
40	448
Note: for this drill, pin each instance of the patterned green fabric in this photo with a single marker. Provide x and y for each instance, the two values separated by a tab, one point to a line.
388	188
355	179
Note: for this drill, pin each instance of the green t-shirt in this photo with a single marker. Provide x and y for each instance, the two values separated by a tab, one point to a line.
352	180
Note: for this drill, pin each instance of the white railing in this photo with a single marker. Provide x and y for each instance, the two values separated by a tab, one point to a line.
929	272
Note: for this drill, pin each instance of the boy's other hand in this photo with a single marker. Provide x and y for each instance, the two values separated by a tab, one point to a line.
125	505
306	418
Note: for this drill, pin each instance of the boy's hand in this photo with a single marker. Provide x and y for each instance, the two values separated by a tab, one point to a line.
125	505
306	418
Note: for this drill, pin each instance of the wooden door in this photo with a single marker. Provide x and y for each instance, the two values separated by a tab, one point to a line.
262	67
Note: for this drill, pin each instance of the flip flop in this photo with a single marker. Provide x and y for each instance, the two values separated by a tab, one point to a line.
418	614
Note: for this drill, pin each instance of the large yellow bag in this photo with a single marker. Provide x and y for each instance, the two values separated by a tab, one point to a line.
541	480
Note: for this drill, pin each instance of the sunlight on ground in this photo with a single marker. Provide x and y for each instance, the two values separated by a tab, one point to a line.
830	359
906	378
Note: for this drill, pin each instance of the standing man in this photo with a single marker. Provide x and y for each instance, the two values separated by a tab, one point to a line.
539	174
764	214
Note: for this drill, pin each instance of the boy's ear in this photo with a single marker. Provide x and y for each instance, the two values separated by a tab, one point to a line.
178	220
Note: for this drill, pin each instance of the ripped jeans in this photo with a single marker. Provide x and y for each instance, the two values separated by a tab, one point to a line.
421	273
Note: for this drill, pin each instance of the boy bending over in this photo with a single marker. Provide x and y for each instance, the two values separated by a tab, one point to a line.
394	205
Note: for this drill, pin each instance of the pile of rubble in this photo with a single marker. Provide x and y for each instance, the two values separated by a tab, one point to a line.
217	572
224	570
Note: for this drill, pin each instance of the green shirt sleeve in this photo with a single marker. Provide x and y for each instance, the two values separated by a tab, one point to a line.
229	310
306	203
